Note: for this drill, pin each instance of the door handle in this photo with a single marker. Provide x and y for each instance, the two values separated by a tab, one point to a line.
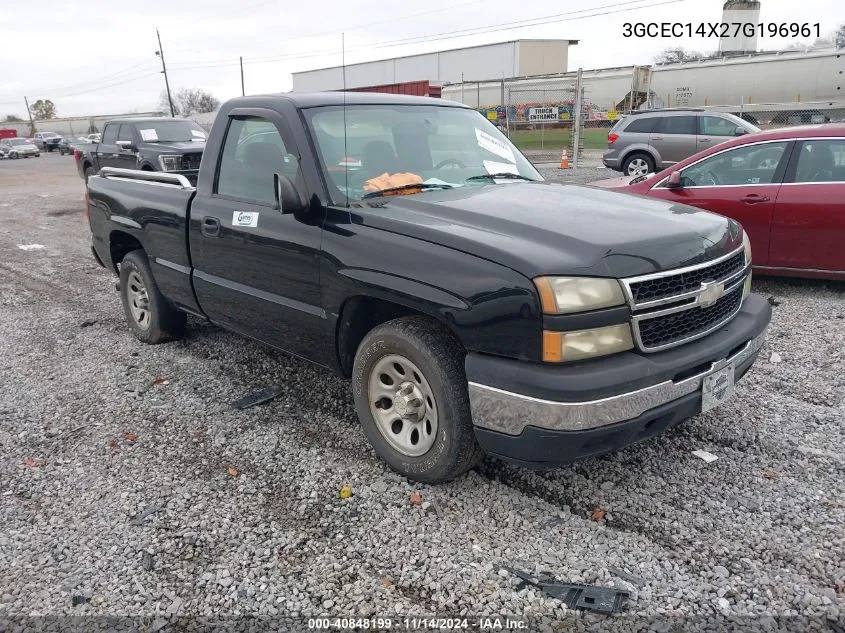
656	138
210	226
754	198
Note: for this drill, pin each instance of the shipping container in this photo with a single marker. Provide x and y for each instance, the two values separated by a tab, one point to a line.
414	88
8	133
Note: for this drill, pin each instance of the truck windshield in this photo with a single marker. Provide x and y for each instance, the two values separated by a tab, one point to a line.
170	132
389	148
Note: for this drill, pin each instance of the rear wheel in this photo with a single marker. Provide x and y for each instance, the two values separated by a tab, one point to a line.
89	171
410	394
151	319
638	165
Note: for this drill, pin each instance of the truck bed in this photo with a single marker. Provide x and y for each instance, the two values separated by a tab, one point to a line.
153	209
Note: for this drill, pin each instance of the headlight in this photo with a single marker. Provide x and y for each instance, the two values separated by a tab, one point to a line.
746	244
568	346
562	295
170	163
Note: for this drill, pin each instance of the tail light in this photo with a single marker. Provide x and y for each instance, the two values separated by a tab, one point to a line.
76	154
612	138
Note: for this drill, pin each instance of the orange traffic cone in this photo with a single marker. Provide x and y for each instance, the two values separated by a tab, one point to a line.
564	160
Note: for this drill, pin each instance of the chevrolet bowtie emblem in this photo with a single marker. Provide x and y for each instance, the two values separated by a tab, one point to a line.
710	293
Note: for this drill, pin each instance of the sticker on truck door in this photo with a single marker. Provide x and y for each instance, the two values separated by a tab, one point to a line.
245	218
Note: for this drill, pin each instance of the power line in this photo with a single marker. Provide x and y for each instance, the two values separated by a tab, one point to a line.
492	28
58	91
125	76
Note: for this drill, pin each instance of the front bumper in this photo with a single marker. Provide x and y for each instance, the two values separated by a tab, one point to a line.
546	415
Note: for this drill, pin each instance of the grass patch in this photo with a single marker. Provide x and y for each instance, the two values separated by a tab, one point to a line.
557	139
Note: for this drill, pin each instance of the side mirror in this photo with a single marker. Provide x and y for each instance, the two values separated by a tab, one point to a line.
288	199
125	145
740	131
674	181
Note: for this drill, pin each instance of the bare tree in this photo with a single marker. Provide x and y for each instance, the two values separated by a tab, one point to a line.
839	36
43	109
196	101
164	104
677	54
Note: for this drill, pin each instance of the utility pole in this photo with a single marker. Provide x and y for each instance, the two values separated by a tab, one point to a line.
160	53
243	90
29	112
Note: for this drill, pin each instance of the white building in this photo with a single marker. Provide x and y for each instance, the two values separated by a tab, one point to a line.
517	58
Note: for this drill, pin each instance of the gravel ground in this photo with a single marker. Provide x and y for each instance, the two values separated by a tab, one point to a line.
129	485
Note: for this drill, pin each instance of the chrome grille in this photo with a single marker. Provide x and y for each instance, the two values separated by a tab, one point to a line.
681	283
681	326
192	160
678	306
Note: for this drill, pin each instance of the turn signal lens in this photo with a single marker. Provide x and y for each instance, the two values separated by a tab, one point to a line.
569	346
563	295
746	244
746	288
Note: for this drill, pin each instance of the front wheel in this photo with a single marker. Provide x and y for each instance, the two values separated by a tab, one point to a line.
410	393
151	319
638	165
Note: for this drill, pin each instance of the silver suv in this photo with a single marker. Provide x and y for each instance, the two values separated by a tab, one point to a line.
651	140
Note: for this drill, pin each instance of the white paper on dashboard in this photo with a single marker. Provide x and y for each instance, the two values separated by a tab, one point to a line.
494	145
148	135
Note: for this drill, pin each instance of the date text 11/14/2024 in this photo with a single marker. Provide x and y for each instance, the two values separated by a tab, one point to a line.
494	623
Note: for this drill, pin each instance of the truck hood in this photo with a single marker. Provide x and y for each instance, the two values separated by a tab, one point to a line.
546	229
182	147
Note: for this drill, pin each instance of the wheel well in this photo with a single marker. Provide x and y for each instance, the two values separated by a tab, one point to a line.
642	152
85	165
358	316
147	168
121	244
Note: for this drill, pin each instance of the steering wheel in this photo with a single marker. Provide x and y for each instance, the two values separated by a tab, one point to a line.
709	178
450	161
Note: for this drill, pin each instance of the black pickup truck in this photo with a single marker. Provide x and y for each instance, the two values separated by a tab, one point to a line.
405	243
148	144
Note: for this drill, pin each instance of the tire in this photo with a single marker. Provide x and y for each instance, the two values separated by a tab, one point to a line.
437	406
151	319
636	163
89	171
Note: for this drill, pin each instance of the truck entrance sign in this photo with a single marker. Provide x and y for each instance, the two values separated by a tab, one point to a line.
542	114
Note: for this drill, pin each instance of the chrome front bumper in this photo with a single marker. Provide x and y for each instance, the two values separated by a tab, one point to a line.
509	413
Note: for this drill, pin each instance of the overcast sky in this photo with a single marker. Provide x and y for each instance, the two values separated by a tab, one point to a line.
98	56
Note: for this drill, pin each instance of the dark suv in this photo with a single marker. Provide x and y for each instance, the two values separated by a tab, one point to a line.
651	140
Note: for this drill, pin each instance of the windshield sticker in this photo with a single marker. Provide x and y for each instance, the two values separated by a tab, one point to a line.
492	144
197	133
494	167
149	135
244	218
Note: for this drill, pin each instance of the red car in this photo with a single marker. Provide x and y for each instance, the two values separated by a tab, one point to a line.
786	187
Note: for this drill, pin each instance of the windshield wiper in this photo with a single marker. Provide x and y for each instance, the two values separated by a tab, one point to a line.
420	185
506	174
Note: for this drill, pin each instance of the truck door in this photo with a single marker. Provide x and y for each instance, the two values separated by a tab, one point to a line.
126	146
256	269
107	150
